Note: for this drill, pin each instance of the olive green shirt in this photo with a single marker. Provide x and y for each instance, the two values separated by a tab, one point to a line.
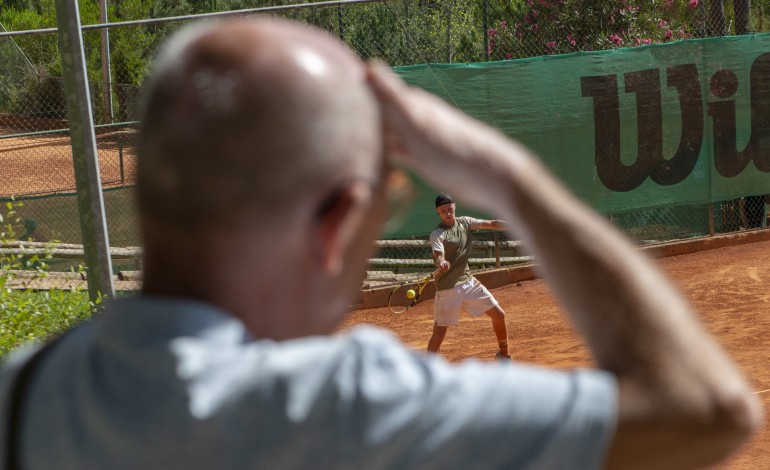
456	243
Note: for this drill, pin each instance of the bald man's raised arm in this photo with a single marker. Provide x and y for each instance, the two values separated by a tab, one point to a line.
682	402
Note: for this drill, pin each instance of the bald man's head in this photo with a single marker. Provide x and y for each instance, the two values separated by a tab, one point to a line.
249	118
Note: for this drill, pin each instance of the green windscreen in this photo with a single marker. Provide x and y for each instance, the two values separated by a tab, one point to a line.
627	130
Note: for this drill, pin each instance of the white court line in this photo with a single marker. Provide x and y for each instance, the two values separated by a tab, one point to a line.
762	391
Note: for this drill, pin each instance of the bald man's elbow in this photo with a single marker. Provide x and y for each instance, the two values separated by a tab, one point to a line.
677	435
739	418
735	420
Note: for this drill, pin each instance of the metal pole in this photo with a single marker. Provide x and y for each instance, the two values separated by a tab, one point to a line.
106	68
247	11
120	156
93	224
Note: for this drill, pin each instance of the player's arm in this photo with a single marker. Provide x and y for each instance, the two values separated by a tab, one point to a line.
682	402
440	262
437	249
482	224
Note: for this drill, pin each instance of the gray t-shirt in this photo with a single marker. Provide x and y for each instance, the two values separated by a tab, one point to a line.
456	242
158	384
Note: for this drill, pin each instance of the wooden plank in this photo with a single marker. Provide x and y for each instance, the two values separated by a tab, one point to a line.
69	253
424	262
477	244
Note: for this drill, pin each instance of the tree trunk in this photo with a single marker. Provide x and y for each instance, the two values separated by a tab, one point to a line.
716	24
742	9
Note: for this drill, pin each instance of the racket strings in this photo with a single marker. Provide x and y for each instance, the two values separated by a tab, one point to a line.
399	300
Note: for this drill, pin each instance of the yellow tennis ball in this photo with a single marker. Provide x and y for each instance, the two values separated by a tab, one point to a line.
410	294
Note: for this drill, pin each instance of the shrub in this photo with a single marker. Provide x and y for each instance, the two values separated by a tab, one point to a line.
543	27
28	314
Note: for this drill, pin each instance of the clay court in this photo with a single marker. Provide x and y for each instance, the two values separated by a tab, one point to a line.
42	164
729	287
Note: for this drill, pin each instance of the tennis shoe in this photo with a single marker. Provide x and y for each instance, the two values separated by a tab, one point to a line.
500	357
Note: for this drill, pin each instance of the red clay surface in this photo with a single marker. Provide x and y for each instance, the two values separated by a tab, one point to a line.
728	286
43	164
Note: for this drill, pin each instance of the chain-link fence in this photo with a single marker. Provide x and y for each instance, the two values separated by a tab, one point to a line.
35	152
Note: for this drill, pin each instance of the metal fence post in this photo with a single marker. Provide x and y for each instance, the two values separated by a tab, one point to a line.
93	224
106	69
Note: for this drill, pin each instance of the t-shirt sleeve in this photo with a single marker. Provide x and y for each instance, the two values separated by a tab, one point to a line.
473	222
436	241
426	412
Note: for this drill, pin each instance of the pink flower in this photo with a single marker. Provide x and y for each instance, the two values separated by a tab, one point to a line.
551	44
669	33
692	3
571	39
646	41
616	39
536	27
637	41
669	4
503	24
508	56
661	22
492	32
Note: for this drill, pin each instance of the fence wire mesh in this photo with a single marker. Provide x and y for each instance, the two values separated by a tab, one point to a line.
35	152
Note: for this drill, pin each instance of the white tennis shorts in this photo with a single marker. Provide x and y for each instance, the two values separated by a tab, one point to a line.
472	295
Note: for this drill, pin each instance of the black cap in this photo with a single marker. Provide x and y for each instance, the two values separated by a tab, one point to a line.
444	198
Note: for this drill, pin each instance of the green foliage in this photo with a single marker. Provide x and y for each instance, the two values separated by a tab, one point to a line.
41	50
27	314
408	32
34	316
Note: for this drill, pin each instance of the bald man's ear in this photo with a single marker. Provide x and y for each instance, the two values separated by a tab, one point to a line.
339	223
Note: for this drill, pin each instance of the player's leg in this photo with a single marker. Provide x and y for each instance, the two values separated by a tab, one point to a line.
497	314
479	300
439	333
448	304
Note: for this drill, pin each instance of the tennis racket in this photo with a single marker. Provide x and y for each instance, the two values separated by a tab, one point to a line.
407	294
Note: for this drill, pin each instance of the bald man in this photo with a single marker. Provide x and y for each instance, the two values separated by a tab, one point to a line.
263	178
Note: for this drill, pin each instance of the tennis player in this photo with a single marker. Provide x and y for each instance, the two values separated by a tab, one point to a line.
457	289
